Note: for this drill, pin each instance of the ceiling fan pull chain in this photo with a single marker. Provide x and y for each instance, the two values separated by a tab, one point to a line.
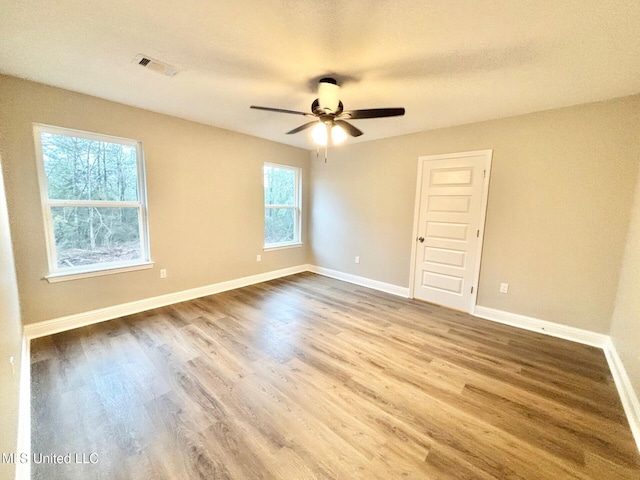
326	151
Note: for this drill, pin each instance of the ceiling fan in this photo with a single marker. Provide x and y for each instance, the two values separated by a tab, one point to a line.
330	117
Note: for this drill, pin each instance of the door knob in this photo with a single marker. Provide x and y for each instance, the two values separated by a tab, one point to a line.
421	239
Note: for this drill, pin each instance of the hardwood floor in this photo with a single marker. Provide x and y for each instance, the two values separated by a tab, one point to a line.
309	377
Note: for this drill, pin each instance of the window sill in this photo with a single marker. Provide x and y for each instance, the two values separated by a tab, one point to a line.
76	275
282	246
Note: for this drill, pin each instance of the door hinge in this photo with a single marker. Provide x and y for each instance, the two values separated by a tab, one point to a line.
478	234
471	289
484	173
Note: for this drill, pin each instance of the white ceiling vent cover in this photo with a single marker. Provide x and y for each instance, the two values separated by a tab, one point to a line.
155	65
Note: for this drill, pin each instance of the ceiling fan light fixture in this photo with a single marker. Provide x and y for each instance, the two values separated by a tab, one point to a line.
338	135
329	122
319	134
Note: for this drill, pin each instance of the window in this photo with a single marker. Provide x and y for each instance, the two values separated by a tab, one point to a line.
94	202
282	205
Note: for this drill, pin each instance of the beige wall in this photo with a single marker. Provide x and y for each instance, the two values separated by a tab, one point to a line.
559	202
625	326
10	340
204	189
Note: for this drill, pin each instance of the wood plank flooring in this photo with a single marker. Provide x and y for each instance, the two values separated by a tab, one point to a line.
309	377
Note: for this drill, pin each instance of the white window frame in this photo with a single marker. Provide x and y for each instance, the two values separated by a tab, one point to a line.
297	207
57	274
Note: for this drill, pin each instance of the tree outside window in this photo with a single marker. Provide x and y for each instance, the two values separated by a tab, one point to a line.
282	205
94	201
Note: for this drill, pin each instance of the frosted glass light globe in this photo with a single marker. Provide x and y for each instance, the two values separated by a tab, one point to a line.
338	135
319	134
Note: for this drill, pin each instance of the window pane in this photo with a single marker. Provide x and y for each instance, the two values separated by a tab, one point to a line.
279	186
82	169
279	225
89	235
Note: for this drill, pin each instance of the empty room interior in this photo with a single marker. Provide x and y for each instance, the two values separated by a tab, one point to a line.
320	240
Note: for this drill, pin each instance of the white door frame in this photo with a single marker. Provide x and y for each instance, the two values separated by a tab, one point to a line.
488	154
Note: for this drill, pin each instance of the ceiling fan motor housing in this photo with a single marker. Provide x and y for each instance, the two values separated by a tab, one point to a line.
320	112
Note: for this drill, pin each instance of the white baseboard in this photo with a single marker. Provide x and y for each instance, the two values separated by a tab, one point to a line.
365	282
579	335
23	470
627	394
61	324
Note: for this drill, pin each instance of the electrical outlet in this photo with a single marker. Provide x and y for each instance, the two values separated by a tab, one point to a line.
504	288
163	273
258	258
357	259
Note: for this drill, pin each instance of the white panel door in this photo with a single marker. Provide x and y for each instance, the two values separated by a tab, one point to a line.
450	215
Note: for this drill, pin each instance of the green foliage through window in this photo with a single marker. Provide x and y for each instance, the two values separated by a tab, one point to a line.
282	205
94	235
93	199
83	169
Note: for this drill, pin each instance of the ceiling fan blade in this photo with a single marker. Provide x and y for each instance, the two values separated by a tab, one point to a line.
280	110
350	129
302	127
372	113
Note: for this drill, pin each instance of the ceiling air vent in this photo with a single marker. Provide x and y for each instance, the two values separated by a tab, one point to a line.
155	65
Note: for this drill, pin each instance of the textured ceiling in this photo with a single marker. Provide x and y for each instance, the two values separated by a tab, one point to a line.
447	62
